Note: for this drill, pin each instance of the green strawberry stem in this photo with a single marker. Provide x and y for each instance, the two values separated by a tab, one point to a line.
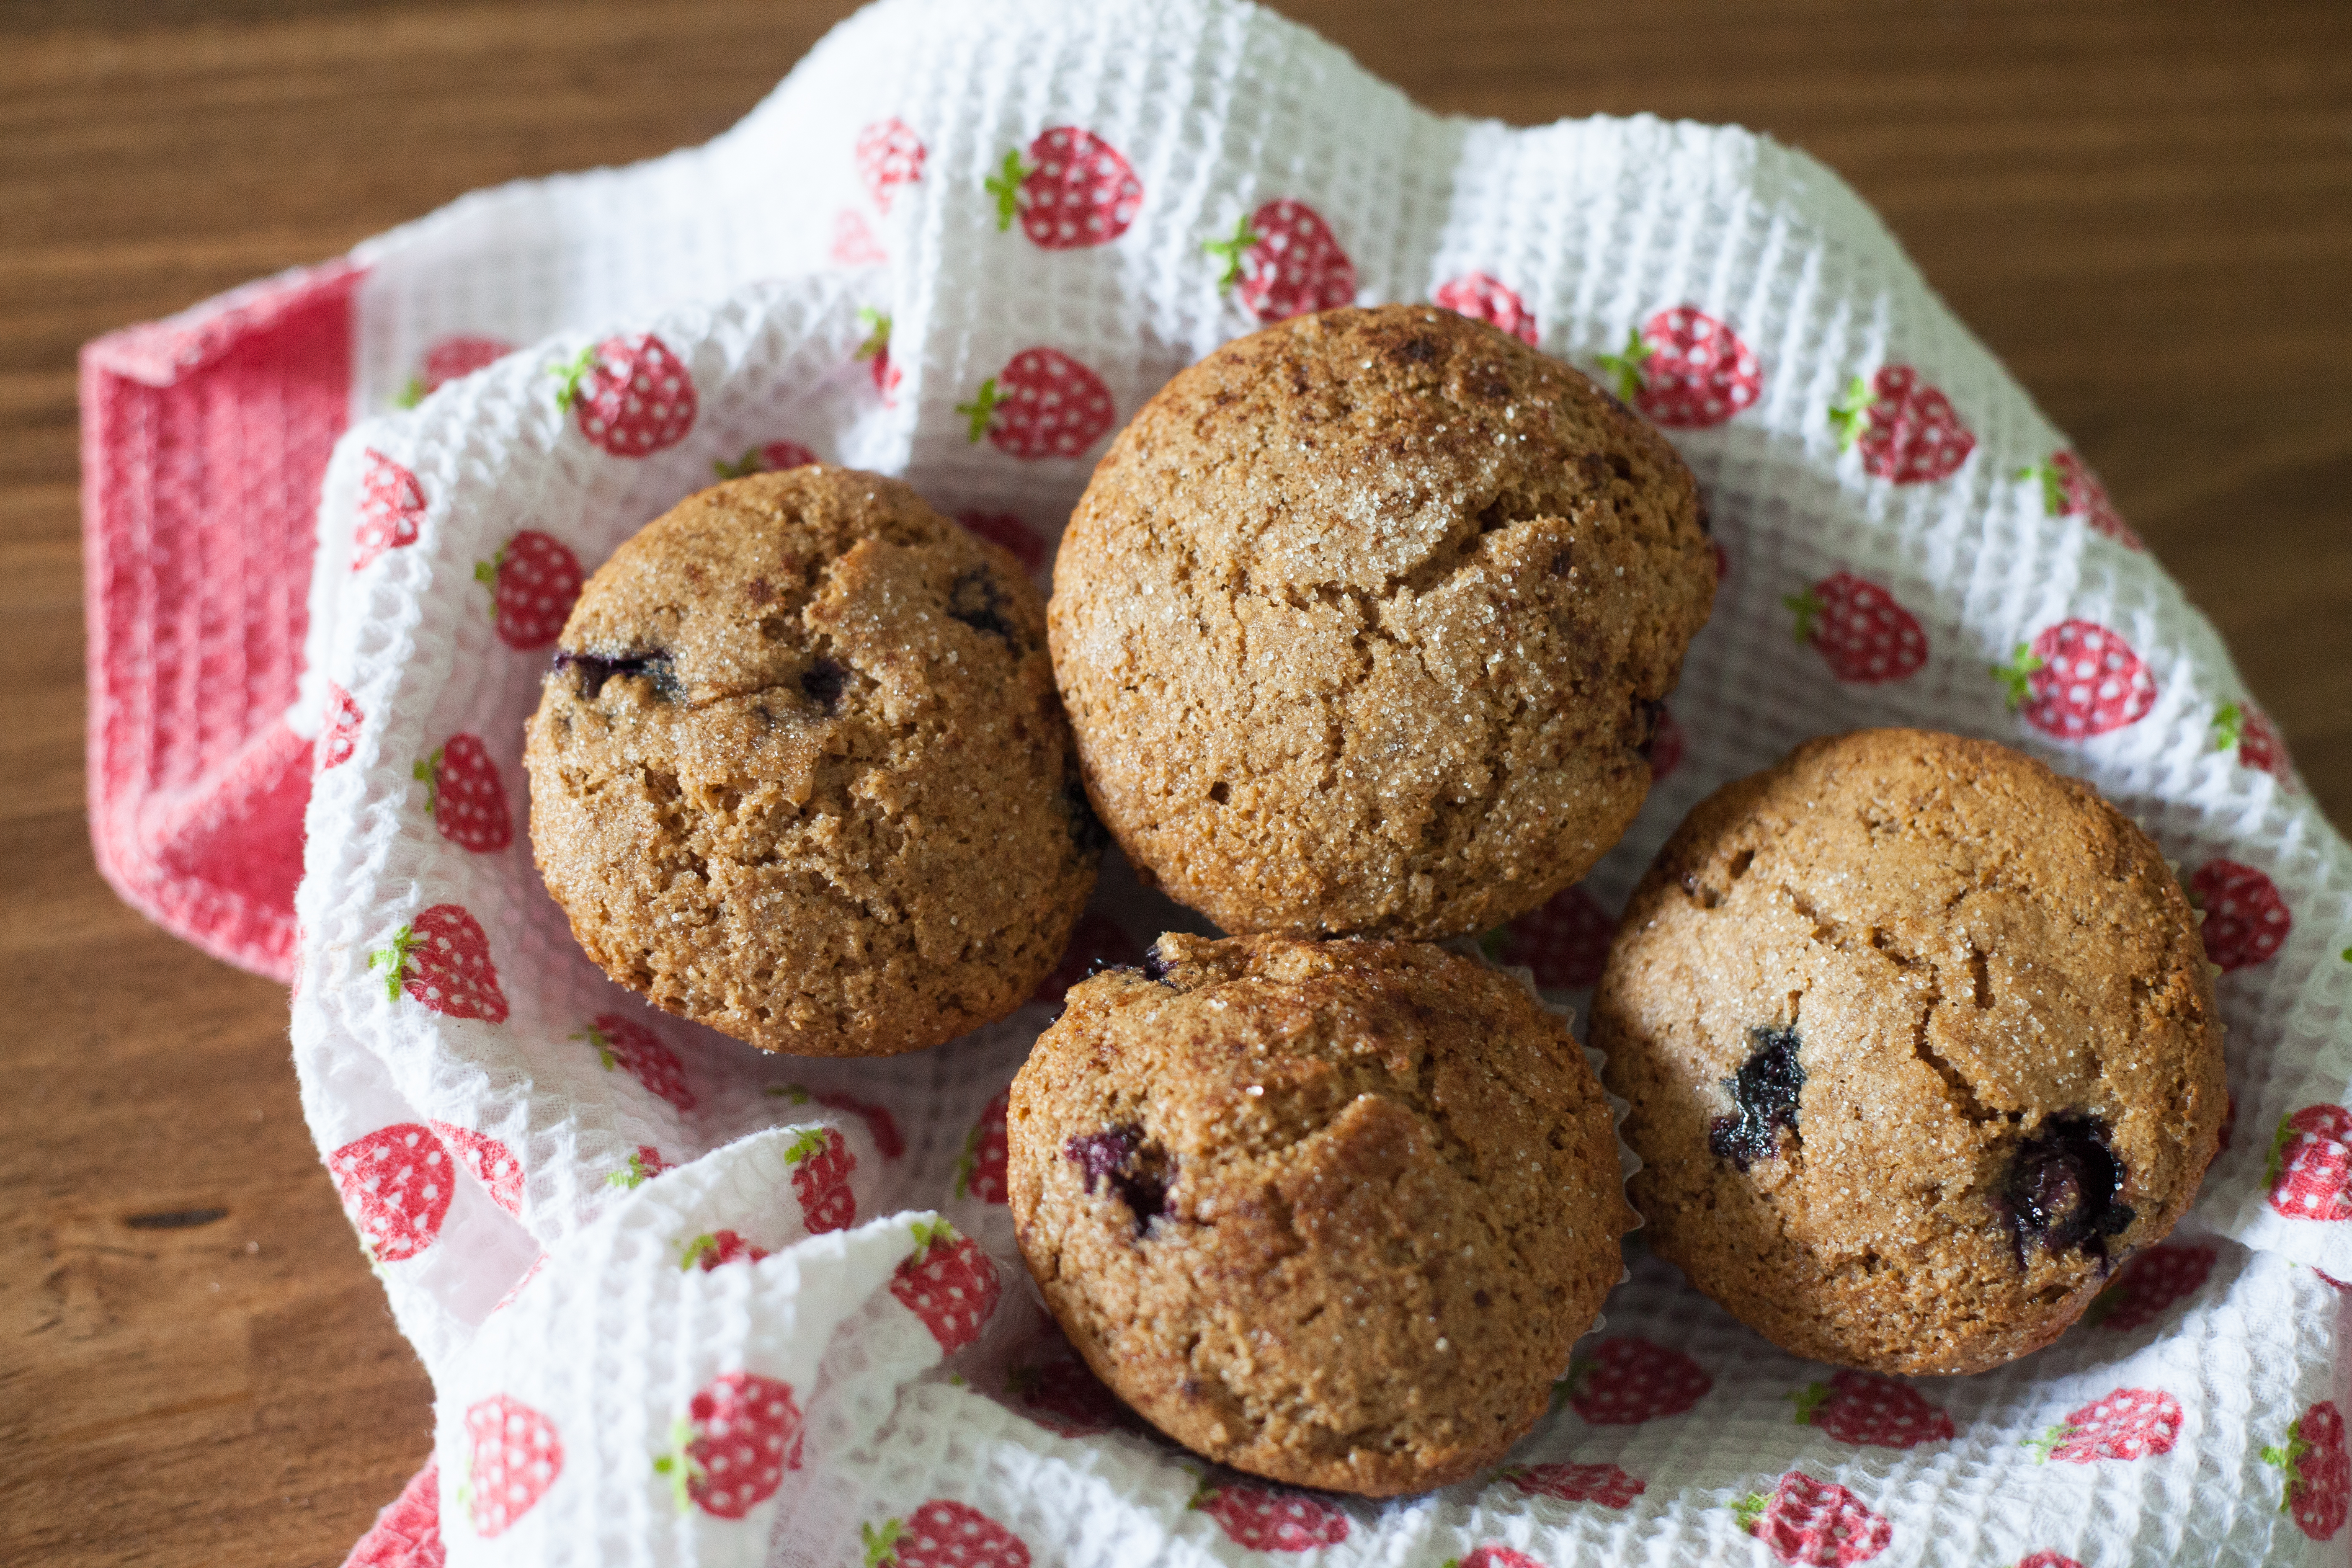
2282	1138
1810	1398
2228	726
2016	675
930	1233
878	1542
696	1250
595	1038
791	1091
2104	1303
412	395
2053	486
1808	608
428	771
742	468
981	410
678	1465
632	1177
2047	1443
394	959
878	333
1204	1494
2290	1460
1625	369
574	374
811	1141
486	573
1851	411
1005	186
1751	1511
1232	249
968	1163
1495	942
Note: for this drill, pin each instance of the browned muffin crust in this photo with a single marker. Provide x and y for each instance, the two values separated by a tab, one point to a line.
800	773
1994	991
1363	622
1331	1213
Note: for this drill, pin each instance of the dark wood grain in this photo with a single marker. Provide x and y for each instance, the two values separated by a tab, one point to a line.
2146	209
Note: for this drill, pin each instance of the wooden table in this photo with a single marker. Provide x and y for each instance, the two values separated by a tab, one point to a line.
2145	208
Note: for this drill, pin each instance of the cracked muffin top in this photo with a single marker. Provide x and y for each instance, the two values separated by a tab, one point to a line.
1364	621
799	772
1920	1042
1330	1213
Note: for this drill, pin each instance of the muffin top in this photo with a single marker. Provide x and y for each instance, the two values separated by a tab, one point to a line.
799	772
1363	623
1920	1042
1332	1213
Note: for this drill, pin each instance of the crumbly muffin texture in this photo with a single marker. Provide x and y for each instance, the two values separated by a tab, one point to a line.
1330	1213
1920	1043
800	774
1364	621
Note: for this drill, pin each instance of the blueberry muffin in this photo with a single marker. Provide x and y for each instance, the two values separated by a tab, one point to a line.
1330	1213
1920	1043
1363	625
799	772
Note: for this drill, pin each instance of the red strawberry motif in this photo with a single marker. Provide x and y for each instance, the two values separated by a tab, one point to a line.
1286	261
944	1534
2045	1558
2078	680
1907	429
1064	1396
449	359
2259	745
2246	921
1866	1410
514	1456
1685	370
1482	298
1074	190
443	959
464	797
854	244
1493	1556
1270	1518
2069	488
1667	744
644	1166
2310	1166
1625	1381
1860	631
2146	1287
2318	1471
1565	942
772	459
340	737
1042	404
879	1122
875	352
1006	529
821	1162
631	397
979	1173
2128	1424
948	1283
888	155
729	1451
1815	1522
489	1161
392	504
533	581
395	1183
625	1043
713	1248
1604	1484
